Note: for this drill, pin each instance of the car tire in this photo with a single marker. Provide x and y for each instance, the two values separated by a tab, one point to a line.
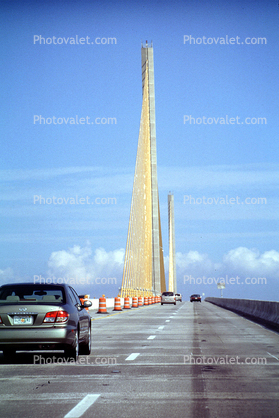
73	352
174	303
85	349
162	304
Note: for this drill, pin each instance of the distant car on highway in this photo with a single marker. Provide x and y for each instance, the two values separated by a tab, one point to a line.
195	298
43	317
178	296
168	297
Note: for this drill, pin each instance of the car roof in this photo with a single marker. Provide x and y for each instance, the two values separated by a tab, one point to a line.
35	284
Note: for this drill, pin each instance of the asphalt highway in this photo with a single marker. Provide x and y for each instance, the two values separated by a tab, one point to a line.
189	360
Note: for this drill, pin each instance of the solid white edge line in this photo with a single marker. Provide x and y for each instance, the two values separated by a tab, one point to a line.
82	406
132	356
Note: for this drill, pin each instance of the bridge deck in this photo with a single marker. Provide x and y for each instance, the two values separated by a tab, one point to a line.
188	360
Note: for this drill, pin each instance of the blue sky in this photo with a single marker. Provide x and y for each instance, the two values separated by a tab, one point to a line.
202	160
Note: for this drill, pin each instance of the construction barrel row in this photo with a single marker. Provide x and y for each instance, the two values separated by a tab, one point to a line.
136	302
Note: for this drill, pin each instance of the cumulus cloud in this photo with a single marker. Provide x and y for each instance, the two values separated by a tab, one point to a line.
83	262
251	262
239	261
247	273
194	262
102	269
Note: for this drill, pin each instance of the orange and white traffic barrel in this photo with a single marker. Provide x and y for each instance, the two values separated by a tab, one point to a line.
86	297
117	304
145	300
149	300
127	303
102	305
134	302
140	301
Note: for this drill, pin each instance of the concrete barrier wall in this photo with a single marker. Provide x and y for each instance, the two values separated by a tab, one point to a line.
259	309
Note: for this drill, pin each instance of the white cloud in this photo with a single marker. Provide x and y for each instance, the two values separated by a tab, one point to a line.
78	262
251	262
81	263
85	263
254	275
194	262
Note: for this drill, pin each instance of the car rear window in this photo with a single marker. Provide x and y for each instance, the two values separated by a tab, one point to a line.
42	294
167	294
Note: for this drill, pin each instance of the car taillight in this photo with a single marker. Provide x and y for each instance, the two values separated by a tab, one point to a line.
62	316
56	316
1	322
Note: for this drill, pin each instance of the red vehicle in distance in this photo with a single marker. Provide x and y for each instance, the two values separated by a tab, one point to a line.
195	298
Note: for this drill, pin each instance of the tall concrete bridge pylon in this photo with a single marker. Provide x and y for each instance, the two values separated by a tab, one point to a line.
143	273
172	261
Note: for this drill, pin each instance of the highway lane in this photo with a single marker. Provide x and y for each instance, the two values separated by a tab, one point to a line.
188	360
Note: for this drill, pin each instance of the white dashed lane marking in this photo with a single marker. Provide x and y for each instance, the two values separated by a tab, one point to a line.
273	356
132	356
82	406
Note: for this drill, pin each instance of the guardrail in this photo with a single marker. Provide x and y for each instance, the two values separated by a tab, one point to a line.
256	309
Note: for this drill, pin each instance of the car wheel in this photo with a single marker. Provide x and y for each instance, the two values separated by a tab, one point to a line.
85	349
162	303
73	352
174	303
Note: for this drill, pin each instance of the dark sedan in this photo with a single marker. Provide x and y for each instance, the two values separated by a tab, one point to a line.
43	317
195	298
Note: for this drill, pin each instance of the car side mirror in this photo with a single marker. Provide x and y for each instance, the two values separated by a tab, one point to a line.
86	303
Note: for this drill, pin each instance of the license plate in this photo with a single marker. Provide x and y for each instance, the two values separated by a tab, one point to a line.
23	320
